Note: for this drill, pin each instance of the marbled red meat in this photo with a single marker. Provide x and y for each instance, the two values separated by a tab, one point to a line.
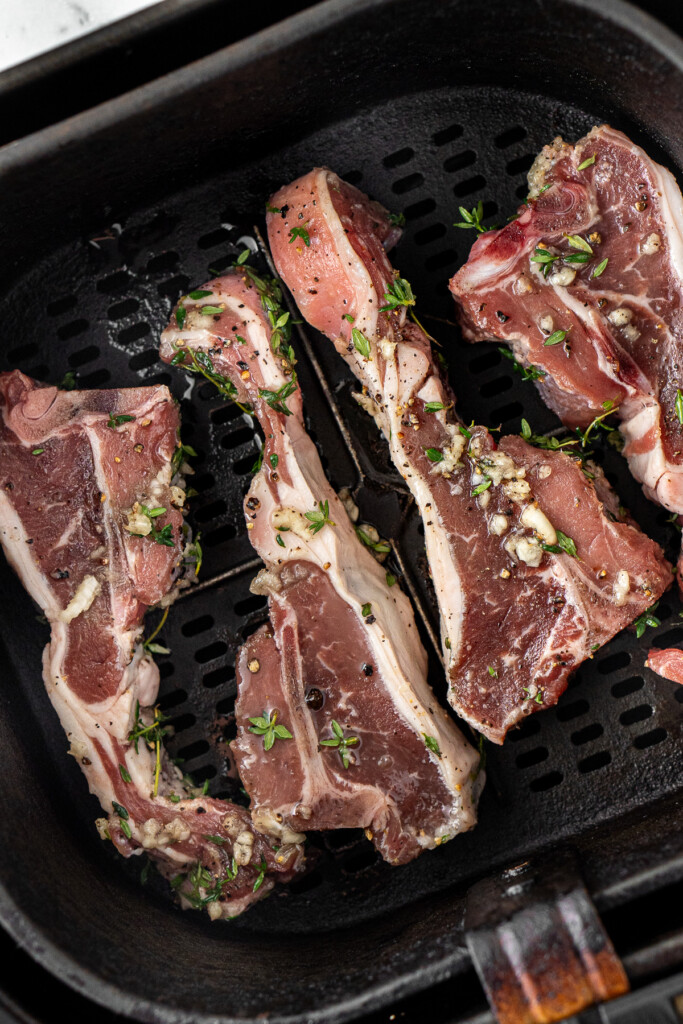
77	471
342	649
518	613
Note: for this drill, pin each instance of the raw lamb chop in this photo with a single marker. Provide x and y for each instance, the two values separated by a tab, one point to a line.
91	520
533	569
586	285
337	727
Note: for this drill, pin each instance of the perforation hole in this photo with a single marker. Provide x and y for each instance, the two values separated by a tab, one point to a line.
162	263
60	306
407	184
520	165
637	714
567	712
123	309
401	156
203	483
117	282
496	387
210	652
672	638
627	686
509	137
507	412
213	238
194	750
218	677
17	355
182	722
650	739
174	287
226	413
529	727
91	380
439	260
84	355
532	757
72	329
587	734
420	209
594	762
250	604
133	333
545	782
210	511
226	706
353	177
219	536
460	160
144	359
236	438
196	626
469	186
614	662
430	234
446	135
485	362
172	700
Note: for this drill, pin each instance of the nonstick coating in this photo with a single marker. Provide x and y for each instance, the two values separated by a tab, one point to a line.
108	219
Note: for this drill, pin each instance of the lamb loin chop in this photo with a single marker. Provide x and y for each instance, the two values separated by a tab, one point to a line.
586	285
91	520
337	726
533	566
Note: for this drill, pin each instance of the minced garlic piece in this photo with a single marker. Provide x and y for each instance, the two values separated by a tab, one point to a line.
535	519
651	245
498	525
620	317
622	586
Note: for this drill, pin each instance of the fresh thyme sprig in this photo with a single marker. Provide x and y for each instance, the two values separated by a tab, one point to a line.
266	726
277	400
341	742
646	619
431	744
202	364
320	517
115	421
157	648
528	372
301	233
152	734
399	294
182	452
564	544
472	218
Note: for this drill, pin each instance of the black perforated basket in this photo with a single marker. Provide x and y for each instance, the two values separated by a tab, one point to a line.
107	219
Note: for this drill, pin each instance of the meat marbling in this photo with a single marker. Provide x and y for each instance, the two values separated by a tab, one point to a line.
608	222
337	727
77	471
518	613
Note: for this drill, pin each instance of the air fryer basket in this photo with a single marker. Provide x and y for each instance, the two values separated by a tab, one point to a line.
107	219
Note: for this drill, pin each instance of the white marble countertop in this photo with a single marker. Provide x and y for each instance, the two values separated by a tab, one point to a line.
31	27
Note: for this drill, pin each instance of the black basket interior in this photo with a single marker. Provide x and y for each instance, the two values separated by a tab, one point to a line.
95	305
